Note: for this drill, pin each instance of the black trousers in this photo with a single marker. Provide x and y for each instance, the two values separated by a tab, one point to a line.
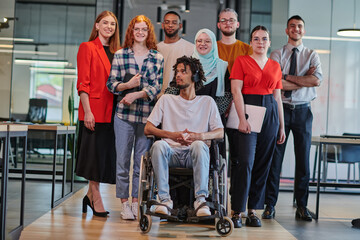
251	155
299	121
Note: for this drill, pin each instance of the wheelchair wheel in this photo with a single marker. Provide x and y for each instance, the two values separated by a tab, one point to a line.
223	185
224	226
143	184
145	223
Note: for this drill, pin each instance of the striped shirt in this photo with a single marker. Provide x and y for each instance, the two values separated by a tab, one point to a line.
151	82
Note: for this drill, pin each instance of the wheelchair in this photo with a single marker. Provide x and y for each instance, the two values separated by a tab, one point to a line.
182	177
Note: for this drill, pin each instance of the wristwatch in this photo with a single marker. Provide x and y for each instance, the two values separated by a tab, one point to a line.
285	75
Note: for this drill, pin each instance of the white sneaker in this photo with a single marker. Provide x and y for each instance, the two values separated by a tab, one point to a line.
126	212
134	209
203	211
162	209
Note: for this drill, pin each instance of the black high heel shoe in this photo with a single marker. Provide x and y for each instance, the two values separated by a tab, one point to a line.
86	202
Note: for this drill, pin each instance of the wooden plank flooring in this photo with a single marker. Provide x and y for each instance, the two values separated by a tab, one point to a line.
67	222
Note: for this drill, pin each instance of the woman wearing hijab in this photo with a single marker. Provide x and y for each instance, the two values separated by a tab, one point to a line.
217	83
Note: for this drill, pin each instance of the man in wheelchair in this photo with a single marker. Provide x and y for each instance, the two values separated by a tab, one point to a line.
188	122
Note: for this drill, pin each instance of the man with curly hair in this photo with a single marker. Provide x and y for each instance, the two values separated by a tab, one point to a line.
188	123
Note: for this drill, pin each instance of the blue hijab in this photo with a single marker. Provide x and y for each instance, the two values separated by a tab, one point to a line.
213	66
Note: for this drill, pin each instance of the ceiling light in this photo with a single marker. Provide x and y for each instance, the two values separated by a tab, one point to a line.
28	52
41	62
322	51
331	39
184	27
53	70
16	39
187	5
350	32
6	46
158	17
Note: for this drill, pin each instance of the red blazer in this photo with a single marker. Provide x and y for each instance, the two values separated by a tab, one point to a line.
93	71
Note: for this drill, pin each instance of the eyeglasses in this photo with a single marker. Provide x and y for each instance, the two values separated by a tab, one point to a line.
141	29
224	20
167	22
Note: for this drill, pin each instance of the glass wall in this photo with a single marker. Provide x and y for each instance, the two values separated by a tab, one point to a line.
38	47
336	109
193	20
7	8
45	66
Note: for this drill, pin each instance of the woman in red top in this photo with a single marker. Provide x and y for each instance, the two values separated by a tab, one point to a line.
96	158
255	80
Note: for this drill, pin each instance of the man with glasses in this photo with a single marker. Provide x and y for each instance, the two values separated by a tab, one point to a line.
173	46
229	47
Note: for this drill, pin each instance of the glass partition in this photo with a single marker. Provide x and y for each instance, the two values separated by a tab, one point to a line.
336	108
41	64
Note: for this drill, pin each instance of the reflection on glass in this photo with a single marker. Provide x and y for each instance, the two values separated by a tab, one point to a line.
13	202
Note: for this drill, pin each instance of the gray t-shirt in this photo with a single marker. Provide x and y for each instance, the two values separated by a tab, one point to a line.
177	114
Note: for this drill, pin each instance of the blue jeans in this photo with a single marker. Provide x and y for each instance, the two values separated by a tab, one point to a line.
128	135
195	156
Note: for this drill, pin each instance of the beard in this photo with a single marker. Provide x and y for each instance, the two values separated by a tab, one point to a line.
171	35
182	86
228	34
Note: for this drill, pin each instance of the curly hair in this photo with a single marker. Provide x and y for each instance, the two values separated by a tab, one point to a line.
114	41
195	66
129	36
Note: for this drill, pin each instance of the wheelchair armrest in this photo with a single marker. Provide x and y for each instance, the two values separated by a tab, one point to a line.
217	140
151	137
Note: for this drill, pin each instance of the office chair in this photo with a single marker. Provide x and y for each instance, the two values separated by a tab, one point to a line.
345	154
37	110
36	114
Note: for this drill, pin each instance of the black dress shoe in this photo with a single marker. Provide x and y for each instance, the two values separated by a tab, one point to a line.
269	212
252	220
86	202
236	218
302	213
356	223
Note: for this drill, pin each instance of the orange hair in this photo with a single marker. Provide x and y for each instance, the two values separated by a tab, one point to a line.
114	41
129	36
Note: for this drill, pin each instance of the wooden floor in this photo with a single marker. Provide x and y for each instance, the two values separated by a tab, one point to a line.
67	222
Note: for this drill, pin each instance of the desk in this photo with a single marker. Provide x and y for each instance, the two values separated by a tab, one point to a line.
319	141
8	131
55	132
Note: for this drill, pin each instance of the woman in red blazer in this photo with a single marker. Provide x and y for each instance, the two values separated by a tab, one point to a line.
96	159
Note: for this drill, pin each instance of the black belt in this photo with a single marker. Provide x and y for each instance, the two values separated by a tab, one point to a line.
296	106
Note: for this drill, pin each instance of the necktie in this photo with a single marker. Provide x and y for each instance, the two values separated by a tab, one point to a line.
292	69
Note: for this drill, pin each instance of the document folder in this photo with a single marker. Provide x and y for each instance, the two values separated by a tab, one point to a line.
255	116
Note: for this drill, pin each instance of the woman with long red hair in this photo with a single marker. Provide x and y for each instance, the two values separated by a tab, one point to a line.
136	76
96	158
